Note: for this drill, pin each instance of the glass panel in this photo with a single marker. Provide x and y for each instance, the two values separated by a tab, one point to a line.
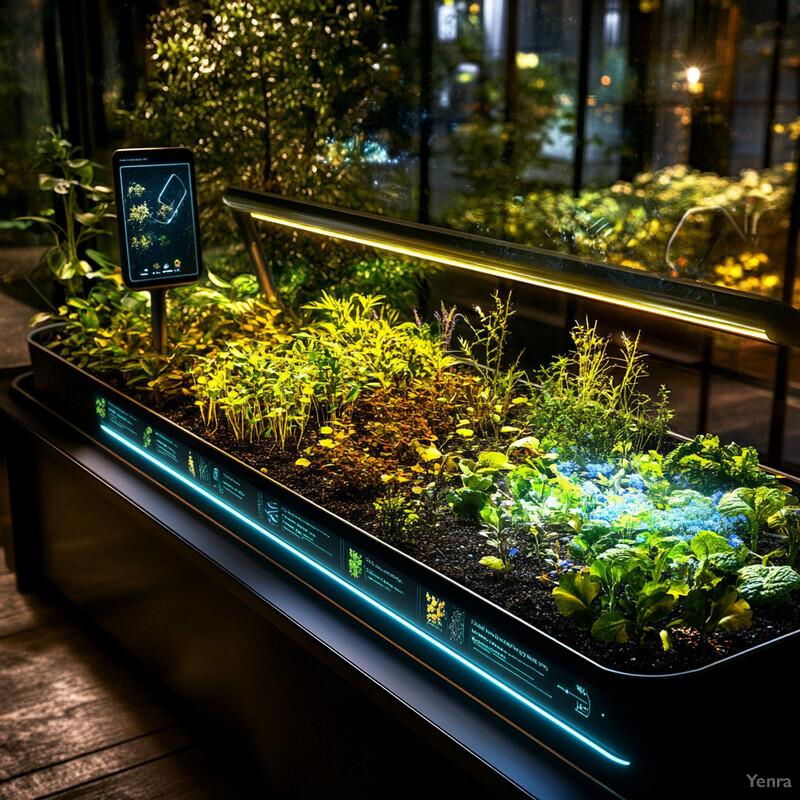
23	98
651	134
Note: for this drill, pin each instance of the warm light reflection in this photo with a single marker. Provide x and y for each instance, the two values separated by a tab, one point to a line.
693	81
527	60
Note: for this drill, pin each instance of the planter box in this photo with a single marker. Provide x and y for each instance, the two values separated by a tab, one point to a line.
620	728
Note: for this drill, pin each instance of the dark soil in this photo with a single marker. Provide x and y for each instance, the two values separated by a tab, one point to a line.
454	547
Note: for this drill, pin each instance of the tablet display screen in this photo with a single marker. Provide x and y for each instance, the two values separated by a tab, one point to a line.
157	217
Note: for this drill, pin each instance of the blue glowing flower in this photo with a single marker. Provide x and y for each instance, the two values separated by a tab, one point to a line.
595	470
636	482
566	468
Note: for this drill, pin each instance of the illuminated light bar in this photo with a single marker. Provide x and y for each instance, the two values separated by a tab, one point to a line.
365	598
689	301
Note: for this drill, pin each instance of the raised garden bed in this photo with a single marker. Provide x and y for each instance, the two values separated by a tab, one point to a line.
495	634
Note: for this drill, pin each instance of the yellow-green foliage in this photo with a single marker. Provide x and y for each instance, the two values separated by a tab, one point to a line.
676	221
351	347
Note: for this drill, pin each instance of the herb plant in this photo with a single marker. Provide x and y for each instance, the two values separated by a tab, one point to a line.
588	404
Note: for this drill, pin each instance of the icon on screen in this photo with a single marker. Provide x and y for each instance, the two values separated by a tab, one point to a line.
170	199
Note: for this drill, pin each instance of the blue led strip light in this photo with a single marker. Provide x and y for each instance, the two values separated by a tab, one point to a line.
374	603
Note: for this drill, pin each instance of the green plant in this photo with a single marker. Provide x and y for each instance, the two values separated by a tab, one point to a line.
704	463
588	405
575	596
757	506
352	354
631	547
307	274
365	334
502	535
396	516
109	330
641	584
762	585
660	221
258	393
84	208
641	610
499	154
268	91
486	350
710	607
285	96
786	522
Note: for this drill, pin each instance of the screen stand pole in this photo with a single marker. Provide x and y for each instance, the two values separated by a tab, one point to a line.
158	317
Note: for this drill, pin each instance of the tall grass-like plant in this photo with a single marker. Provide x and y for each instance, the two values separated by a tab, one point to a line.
369	339
486	349
353	348
589	404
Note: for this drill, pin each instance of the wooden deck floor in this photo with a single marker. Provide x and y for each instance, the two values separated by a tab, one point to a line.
76	723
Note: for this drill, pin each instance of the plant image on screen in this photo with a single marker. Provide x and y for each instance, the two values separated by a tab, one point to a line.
159	226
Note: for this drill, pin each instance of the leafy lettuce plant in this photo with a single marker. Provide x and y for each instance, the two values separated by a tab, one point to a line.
756	505
760	584
657	556
640	609
705	464
575	597
786	523
642	582
710	607
649	587
509	498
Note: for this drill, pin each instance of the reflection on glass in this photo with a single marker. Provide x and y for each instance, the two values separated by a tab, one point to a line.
651	134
